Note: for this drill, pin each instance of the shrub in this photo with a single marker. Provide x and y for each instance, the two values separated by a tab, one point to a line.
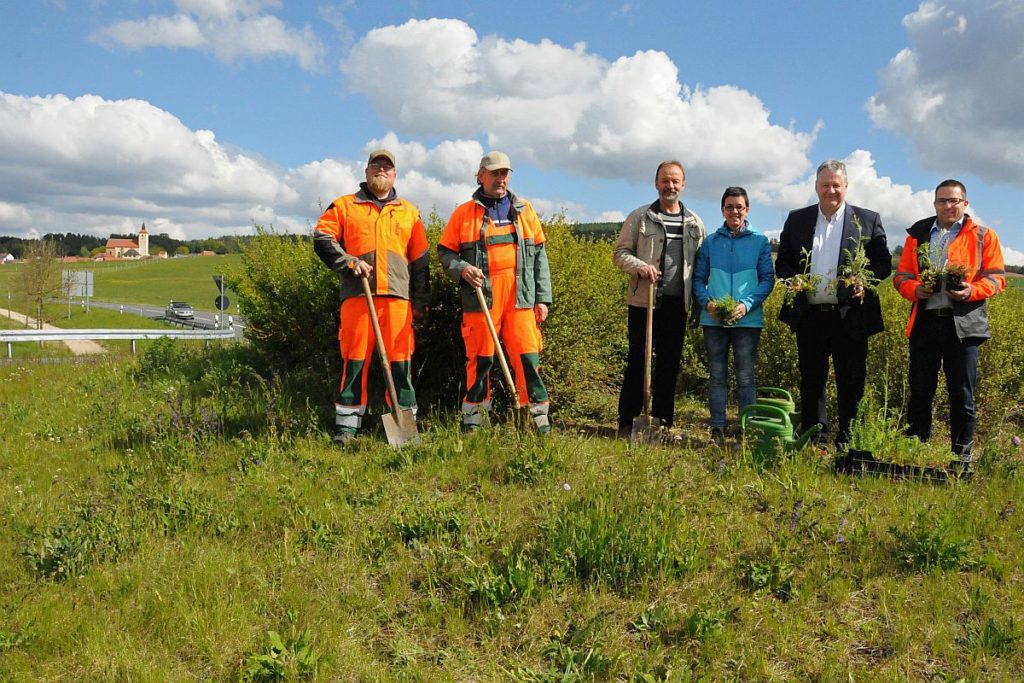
585	335
290	299
1000	360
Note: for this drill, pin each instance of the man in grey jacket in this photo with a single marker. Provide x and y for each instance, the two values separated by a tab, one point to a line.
657	246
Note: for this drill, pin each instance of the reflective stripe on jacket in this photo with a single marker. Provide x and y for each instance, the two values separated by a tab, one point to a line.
390	239
976	247
462	244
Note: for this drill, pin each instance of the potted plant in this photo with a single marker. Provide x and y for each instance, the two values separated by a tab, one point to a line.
954	275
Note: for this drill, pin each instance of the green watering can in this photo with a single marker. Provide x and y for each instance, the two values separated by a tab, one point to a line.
767	429
780	398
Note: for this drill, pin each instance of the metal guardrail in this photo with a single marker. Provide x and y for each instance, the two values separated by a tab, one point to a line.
133	335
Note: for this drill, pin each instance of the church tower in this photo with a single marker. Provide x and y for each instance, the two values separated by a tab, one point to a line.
143	242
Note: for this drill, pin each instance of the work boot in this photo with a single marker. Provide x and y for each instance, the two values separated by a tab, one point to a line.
718	436
342	438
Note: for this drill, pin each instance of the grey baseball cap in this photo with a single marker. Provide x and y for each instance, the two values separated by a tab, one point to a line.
492	161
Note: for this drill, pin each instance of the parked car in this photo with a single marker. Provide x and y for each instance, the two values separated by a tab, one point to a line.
179	309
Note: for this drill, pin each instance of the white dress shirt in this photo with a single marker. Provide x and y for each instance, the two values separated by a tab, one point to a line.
828	240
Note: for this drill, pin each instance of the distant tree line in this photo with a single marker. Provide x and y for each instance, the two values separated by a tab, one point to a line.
73	244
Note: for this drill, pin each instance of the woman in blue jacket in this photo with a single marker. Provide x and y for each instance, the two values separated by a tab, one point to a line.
735	261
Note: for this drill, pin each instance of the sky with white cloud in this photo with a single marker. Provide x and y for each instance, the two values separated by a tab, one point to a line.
205	117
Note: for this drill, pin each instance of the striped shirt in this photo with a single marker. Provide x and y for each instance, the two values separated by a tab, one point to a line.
672	266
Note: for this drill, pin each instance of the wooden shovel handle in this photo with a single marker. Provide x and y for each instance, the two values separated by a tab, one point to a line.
380	344
497	345
648	349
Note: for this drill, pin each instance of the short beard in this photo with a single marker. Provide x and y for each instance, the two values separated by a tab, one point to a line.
670	196
379	186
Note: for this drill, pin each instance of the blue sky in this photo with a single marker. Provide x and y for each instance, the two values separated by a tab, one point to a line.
203	117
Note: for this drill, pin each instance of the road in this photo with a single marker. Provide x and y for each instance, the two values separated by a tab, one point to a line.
202	318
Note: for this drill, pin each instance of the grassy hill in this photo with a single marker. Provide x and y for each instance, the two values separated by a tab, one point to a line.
152	281
180	519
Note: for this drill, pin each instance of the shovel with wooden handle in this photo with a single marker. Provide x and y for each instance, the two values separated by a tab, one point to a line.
647	429
400	423
509	382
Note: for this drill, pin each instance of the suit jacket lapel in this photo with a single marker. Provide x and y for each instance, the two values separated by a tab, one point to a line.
807	234
851	237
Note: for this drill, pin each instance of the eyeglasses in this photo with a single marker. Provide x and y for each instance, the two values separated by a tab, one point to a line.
729	208
949	201
384	166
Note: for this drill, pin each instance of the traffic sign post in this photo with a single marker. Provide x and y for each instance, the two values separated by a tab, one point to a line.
219	281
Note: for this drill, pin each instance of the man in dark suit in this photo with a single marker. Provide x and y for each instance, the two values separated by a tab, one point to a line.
833	322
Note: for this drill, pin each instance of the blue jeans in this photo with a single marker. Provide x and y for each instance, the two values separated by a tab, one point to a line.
744	353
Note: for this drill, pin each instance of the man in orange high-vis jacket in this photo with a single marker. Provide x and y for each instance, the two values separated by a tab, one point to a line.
495	241
948	320
374	234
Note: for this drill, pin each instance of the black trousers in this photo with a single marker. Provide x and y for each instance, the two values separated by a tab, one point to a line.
820	337
669	332
934	342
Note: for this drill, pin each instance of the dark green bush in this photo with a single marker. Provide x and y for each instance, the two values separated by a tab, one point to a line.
290	300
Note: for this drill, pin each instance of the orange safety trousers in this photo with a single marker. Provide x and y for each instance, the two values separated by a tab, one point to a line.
358	346
517	328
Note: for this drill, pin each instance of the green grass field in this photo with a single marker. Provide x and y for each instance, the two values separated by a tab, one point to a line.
27	350
178	520
179	516
153	281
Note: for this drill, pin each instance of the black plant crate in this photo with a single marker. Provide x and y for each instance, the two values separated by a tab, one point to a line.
864	462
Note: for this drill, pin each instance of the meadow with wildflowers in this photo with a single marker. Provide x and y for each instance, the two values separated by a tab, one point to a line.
180	516
183	515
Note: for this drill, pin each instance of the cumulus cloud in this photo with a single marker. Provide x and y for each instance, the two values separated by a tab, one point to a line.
952	93
1013	257
93	165
232	30
96	166
898	204
565	107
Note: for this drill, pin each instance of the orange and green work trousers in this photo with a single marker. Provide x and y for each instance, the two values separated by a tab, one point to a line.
517	328
358	347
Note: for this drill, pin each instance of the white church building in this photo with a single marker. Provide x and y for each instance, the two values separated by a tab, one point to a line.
121	248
